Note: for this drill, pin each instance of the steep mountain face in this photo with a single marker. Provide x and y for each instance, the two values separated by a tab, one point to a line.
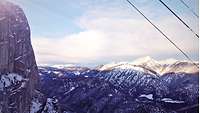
136	82
18	69
148	76
170	85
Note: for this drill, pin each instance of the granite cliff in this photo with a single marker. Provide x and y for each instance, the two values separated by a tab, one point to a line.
18	69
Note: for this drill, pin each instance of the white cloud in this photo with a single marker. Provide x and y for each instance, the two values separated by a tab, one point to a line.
108	35
73	48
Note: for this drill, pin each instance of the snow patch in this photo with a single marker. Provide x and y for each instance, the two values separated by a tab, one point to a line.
145	60
169	100
35	107
50	106
77	73
107	66
63	66
71	89
122	66
56	72
2	18
7	80
149	96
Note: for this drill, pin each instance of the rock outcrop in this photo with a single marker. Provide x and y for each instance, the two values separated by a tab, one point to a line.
16	57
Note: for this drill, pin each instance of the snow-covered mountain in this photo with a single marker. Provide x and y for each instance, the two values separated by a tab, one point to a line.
144	75
119	91
142	84
143	65
147	64
63	70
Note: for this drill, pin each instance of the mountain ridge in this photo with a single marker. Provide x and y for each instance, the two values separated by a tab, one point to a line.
144	64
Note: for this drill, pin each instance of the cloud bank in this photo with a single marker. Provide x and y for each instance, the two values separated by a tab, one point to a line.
115	34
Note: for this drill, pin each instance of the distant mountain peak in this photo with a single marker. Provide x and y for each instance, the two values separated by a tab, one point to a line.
144	60
150	60
159	66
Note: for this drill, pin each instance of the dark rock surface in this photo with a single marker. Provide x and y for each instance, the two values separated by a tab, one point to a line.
16	56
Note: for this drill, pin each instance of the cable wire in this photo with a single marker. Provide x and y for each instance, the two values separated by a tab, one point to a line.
180	19
195	14
162	33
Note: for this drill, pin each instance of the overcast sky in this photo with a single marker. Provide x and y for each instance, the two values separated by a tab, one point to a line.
92	32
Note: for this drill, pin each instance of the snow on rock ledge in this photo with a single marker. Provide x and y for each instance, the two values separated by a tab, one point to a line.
51	106
149	96
9	80
169	100
36	106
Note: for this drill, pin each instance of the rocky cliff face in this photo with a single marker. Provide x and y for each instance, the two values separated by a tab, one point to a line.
18	69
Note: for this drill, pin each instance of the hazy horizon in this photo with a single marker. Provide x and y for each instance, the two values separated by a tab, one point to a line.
94	65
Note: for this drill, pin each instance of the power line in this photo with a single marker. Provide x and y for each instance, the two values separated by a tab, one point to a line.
179	19
162	33
195	14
